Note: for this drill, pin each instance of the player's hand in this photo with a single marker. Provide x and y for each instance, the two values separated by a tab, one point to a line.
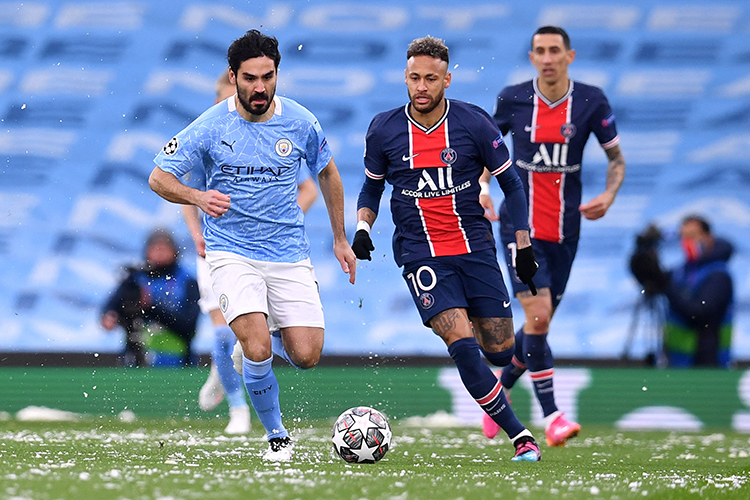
346	258
362	245
489	210
200	246
526	267
214	203
597	207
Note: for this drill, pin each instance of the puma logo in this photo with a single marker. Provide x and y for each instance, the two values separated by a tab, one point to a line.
230	146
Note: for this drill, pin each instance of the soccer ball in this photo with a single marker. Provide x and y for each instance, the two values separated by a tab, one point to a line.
361	435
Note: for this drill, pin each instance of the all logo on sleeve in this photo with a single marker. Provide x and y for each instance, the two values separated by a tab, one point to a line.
171	147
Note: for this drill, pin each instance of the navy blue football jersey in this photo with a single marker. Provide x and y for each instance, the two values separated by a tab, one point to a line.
435	177
548	142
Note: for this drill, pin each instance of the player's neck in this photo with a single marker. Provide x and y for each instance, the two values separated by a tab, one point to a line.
555	91
255	118
427	120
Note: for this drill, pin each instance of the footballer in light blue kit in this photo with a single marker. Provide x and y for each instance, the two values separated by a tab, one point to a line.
251	148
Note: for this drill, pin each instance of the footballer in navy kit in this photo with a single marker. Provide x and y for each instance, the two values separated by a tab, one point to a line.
251	147
433	151
551	118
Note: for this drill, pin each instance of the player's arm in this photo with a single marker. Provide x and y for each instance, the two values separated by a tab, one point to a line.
368	202
307	193
193	222
333	195
166	185
598	206
484	196
515	199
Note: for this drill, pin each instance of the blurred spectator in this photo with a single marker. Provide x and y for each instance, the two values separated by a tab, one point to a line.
698	327
157	305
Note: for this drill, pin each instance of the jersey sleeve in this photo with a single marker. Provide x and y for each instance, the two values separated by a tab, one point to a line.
490	143
376	161
603	123
376	168
317	151
502	113
184	152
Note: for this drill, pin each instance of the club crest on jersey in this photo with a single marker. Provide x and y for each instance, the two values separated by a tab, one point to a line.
171	147
223	303
568	130
283	147
426	300
448	156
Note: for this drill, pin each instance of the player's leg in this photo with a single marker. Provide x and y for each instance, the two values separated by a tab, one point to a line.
452	326
212	392
558	429
296	311
543	277
232	383
437	291
240	284
539	310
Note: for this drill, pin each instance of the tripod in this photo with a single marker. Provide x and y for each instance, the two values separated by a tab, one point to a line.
648	317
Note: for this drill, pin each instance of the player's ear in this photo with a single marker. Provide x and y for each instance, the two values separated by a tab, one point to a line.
447	80
571	55
232	77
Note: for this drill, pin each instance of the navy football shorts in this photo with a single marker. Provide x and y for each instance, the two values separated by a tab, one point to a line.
471	281
554	259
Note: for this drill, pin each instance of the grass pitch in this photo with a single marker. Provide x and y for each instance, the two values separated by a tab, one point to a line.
170	459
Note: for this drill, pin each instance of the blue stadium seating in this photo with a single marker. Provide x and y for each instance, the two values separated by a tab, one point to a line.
90	91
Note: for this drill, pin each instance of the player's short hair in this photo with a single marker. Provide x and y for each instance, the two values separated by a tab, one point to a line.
251	45
552	30
701	221
428	46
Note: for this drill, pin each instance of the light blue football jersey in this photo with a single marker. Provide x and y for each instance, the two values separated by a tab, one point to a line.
258	166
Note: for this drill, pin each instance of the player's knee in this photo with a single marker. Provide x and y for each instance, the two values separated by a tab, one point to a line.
538	320
256	351
307	362
305	359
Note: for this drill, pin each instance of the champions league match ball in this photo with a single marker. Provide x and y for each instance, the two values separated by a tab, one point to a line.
361	435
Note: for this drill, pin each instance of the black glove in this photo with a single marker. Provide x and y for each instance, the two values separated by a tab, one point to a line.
526	267
362	245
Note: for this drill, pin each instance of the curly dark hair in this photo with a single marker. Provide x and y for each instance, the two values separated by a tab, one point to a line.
428	46
251	45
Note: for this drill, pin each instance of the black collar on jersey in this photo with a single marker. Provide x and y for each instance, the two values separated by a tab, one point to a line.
422	127
547	101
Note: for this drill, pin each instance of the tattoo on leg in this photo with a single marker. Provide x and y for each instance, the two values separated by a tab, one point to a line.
445	321
494	334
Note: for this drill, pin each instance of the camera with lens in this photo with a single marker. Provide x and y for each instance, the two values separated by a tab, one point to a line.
644	263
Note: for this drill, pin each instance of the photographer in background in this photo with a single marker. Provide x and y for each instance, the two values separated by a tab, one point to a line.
698	327
157	305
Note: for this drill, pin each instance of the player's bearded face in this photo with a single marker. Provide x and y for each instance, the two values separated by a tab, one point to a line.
256	85
426	81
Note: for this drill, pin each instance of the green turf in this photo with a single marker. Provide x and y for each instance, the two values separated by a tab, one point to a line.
177	459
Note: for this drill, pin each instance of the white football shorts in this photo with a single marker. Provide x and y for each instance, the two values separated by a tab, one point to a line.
208	301
287	293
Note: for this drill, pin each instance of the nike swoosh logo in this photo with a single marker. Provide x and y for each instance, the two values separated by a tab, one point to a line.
529	128
506	304
407	158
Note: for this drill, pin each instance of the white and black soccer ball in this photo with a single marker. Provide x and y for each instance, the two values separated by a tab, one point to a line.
361	435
